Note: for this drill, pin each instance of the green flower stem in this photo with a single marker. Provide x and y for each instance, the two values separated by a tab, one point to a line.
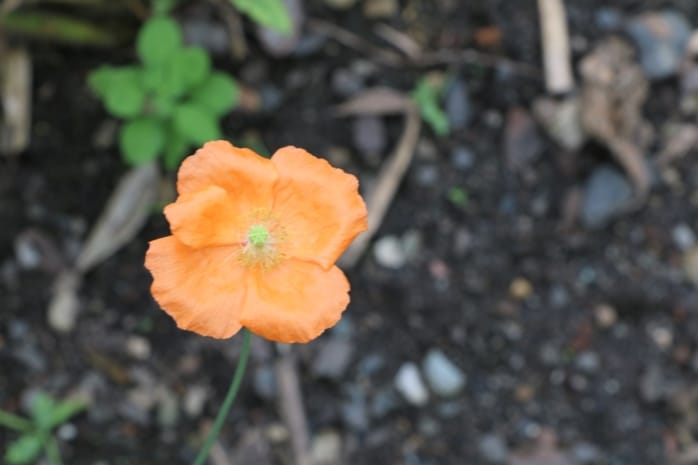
14	422
229	398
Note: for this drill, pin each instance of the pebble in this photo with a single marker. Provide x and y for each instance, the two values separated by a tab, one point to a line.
389	253
332	358
458	107
326	449
662	336
375	9
608	19
67	432
462	158
426	175
206	34
606	195
27	252
138	347
194	400
520	288
683	236
168	408
370	137
588	361
346	83
371	364
354	410
605	315
383	402
585	453
264	382
443	376
408	382
493	449
661	38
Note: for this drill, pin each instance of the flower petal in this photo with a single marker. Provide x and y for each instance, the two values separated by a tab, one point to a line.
318	205
295	301
248	177
208	217
202	289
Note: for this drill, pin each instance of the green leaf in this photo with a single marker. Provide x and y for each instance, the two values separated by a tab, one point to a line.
158	40
196	124
427	95
141	140
193	64
218	94
64	410
121	89
176	149
24	450
42	410
270	13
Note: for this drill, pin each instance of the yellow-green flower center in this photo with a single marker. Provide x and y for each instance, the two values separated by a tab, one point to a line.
260	247
258	235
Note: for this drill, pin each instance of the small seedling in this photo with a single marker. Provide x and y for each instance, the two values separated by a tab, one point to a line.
37	431
427	95
457	196
269	13
172	101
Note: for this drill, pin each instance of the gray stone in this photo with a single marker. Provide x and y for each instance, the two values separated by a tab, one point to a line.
458	107
588	362
354	410
264	382
443	376
370	137
462	158
388	252
607	194
332	358
683	236
408	382
493	448
661	38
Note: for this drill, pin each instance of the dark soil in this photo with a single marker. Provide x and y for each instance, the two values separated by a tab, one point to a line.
523	353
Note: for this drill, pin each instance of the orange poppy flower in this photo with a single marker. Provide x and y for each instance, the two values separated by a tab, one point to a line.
254	243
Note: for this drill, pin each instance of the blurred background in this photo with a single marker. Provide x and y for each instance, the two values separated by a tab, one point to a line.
527	295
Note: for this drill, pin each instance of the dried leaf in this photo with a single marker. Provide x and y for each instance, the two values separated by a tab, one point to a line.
16	82
126	212
375	101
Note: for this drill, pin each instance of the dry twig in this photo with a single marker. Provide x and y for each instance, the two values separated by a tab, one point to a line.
556	47
383	101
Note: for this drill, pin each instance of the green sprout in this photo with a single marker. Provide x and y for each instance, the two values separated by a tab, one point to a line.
268	13
37	432
457	196
169	102
427	95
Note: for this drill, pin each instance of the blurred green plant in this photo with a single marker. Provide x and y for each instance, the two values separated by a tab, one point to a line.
458	196
172	101
269	13
427	95
37	432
